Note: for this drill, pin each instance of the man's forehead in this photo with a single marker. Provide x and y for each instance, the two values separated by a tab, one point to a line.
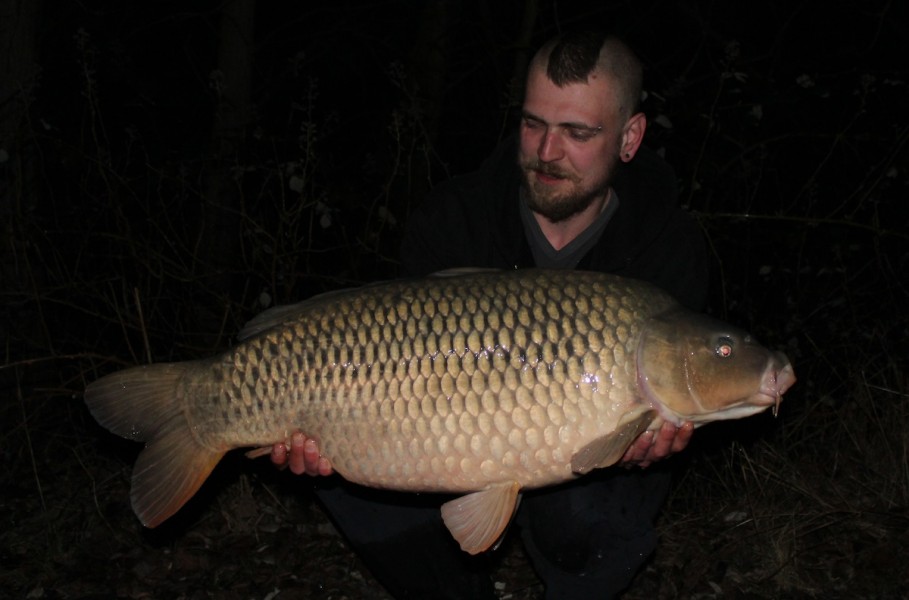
593	99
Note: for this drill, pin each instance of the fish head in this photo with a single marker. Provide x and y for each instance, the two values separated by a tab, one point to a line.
692	367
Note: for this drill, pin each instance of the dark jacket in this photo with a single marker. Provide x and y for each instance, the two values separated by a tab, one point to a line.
473	221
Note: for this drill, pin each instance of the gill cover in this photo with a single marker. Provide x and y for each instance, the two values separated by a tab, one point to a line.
695	368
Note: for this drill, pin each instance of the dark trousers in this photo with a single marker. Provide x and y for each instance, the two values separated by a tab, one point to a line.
585	539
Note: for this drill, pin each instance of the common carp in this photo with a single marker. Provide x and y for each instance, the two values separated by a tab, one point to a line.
478	383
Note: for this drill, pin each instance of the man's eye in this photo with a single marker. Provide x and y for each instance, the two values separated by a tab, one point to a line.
580	135
531	124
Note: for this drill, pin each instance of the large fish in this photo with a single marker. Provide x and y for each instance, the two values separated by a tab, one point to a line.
480	383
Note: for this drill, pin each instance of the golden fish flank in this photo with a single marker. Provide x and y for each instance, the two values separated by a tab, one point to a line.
480	383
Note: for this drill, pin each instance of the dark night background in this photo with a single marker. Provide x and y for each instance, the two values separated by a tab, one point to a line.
168	169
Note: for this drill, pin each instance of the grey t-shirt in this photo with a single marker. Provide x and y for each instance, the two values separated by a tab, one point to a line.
547	257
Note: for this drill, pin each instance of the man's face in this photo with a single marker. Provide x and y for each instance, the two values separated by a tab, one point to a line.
570	142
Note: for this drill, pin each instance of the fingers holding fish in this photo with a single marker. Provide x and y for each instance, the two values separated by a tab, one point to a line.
681	436
301	456
652	446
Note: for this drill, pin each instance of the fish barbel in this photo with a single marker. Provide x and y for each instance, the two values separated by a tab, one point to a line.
478	383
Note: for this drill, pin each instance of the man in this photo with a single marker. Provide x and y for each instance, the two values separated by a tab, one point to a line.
584	195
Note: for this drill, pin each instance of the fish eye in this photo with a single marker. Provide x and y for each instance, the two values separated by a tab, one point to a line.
724	347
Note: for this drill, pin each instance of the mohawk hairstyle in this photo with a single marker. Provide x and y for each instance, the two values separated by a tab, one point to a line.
572	57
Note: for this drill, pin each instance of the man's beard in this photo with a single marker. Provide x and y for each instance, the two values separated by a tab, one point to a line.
558	207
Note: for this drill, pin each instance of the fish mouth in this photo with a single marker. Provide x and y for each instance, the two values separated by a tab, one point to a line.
777	379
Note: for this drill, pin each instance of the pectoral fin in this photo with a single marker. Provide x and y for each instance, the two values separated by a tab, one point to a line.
478	520
607	450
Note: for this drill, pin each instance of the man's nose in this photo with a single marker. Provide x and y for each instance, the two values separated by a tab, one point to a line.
550	148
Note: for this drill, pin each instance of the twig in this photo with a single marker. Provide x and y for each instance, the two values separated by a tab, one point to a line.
148	354
31	456
802	220
25	362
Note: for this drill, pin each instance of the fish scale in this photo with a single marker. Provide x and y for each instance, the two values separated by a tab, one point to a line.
453	376
480	383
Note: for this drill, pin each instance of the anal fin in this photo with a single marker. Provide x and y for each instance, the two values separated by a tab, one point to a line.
478	520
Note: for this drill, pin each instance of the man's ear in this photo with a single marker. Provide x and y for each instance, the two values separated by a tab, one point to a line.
632	136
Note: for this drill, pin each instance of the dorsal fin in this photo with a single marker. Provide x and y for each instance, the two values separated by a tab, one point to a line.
458	271
267	319
279	315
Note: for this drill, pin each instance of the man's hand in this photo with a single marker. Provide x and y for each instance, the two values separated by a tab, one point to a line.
302	456
653	446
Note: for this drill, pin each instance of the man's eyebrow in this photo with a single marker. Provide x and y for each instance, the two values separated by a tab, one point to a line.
529	115
566	125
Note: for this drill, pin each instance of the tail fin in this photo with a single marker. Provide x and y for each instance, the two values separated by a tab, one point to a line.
141	404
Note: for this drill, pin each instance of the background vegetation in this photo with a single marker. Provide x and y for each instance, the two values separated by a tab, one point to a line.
167	172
